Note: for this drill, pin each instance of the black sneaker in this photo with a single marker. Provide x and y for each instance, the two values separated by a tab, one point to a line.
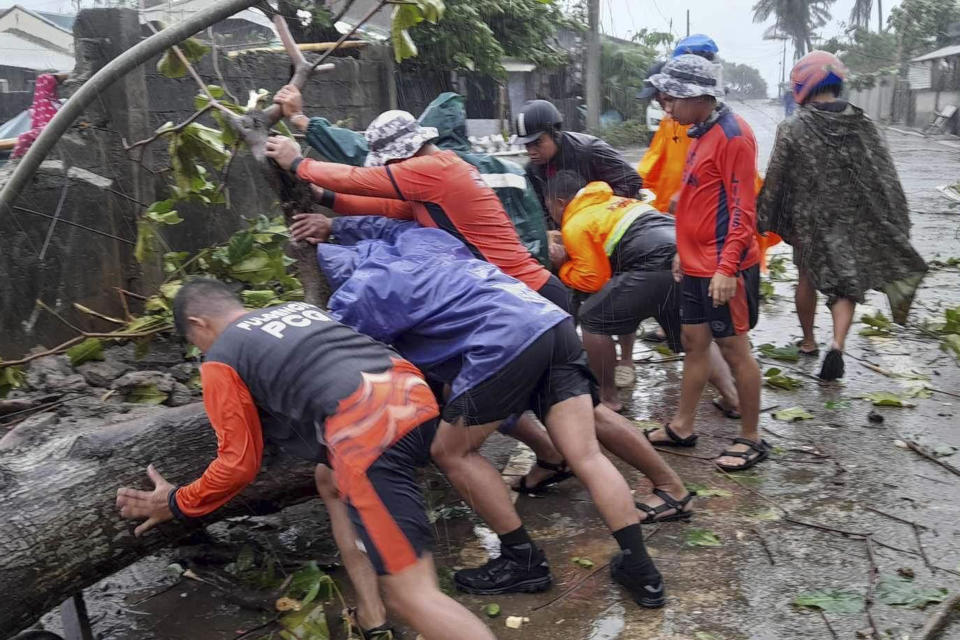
515	571
646	590
832	368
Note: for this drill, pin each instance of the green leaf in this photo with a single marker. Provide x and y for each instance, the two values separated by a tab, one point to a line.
169	290
706	491
766	515
157	303
11	378
793	414
173	260
888	399
789	353
162	212
89	349
258	268
833	405
878	322
239	247
944	450
170	66
773	377
310	623
147	239
406	16
831	601
146	394
702	538
492	610
767	291
951	343
897	590
586	563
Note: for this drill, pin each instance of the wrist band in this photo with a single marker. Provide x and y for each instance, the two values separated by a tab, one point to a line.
295	164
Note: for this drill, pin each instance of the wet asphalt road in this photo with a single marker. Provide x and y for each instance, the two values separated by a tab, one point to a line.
829	471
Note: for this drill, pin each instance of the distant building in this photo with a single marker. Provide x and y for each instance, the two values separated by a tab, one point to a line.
33	42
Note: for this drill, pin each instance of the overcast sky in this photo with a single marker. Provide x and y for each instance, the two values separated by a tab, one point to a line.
729	22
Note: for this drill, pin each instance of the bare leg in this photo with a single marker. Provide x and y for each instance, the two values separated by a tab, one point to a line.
570	424
371	612
842	311
530	432
623	440
736	351
696	371
626	342
721	379
805	299
602	355
414	596
454	450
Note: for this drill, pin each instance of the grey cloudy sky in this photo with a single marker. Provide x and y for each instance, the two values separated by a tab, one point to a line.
729	22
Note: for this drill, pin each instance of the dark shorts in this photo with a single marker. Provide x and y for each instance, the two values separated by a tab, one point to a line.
556	292
552	369
387	506
735	318
629	298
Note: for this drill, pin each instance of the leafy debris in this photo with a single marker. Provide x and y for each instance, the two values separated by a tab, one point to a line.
793	414
789	353
702	538
832	601
888	399
901	591
775	378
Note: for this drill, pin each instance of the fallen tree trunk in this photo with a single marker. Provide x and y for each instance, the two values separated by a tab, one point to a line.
60	530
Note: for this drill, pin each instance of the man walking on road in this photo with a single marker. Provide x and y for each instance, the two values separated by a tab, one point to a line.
718	254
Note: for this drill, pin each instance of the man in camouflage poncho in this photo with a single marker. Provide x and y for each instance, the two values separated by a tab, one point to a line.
832	192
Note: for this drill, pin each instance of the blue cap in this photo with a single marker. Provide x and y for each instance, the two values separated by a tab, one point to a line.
697	44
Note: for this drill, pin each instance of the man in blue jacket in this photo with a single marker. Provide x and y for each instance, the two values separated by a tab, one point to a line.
503	349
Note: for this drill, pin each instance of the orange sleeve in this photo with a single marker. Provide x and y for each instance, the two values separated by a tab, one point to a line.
588	268
652	161
365	206
234	417
739	171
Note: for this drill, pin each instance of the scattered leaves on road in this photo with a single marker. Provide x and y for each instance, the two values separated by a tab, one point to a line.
944	450
877	325
888	399
789	353
775	378
832	601
901	591
702	538
706	491
146	394
793	414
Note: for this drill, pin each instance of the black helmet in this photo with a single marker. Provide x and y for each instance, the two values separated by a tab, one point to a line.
649	90
535	117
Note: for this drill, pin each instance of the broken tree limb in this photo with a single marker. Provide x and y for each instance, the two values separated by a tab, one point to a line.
99	81
939	621
60	530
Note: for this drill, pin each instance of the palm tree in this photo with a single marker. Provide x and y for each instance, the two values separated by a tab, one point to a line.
797	19
860	14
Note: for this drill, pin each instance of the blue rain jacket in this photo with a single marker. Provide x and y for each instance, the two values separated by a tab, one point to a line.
459	319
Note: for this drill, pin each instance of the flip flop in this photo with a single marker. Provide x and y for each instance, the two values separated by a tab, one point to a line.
679	513
674	441
624	376
759	450
653	335
561	472
733	414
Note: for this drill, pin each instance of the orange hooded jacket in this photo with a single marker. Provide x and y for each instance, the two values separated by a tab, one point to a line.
593	223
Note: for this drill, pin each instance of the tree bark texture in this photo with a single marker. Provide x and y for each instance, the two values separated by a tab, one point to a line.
60	530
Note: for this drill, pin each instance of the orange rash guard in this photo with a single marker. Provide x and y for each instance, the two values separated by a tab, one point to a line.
437	190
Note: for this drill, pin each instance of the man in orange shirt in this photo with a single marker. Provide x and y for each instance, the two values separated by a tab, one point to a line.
318	389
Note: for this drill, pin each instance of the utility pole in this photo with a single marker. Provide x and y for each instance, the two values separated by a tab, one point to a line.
879	16
592	72
688	23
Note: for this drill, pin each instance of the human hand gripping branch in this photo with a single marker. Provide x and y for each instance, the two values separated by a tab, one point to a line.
311	227
283	151
152	505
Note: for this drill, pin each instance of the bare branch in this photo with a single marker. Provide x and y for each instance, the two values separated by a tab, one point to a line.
177	129
216	63
352	31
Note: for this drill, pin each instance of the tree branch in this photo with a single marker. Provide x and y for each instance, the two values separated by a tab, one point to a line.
216	63
177	129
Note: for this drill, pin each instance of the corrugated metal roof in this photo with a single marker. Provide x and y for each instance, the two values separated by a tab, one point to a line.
63	20
945	52
24	54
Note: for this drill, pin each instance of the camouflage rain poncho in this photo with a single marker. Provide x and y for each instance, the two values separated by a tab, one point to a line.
832	192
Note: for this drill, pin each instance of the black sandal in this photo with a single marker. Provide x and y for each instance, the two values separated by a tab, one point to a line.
561	472
386	631
674	441
679	513
761	449
733	414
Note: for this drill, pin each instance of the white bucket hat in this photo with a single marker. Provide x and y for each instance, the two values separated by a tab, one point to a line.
395	135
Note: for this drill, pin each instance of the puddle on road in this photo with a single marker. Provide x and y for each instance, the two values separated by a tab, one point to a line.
609	625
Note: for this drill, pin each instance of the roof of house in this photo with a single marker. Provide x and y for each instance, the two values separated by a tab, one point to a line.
21	53
60	21
945	52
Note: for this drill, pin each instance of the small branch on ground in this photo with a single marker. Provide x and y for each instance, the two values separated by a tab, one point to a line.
823	617
873	574
69	343
939	621
916	448
766	547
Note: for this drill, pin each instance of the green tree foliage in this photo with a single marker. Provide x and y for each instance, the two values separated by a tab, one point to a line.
623	69
797	19
474	35
921	25
865	51
744	81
